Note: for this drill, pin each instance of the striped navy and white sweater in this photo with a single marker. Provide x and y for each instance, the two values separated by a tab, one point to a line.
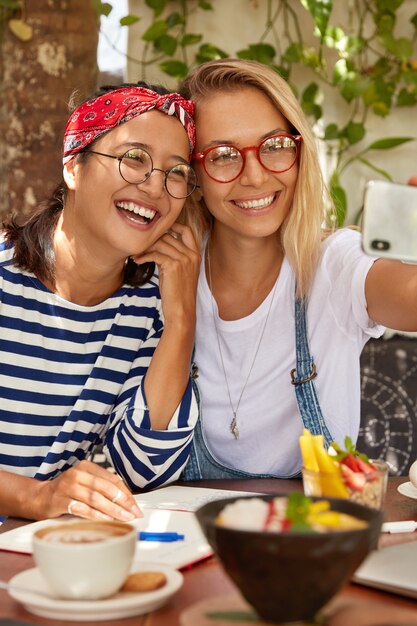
71	377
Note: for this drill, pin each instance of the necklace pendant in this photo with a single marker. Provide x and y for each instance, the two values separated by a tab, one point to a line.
233	428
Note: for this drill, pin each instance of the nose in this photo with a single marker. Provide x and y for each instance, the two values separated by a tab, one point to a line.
253	174
154	185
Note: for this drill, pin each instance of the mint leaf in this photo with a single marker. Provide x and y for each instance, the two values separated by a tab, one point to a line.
298	508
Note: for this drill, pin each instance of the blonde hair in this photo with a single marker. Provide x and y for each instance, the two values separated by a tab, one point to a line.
192	215
302	232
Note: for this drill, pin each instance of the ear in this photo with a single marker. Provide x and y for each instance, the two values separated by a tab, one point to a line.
69	173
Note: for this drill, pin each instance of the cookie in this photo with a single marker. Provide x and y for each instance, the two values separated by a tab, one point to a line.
144	581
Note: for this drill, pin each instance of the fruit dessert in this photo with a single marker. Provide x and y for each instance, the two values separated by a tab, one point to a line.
293	513
341	473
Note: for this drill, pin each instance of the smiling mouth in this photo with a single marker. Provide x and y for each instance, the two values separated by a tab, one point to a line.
259	203
136	213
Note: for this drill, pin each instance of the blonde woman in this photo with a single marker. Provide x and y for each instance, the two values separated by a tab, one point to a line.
283	308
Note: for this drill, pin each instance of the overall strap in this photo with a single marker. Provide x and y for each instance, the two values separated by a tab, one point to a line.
303	375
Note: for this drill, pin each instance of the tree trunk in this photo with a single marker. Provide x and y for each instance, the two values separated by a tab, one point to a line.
37	78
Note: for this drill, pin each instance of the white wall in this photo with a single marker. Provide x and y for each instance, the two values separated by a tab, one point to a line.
235	23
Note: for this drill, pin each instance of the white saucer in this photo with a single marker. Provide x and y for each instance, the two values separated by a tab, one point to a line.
408	489
126	604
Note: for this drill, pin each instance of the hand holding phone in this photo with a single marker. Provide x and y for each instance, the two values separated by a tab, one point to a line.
389	222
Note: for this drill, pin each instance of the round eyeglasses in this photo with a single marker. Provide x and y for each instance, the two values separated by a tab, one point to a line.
136	165
226	163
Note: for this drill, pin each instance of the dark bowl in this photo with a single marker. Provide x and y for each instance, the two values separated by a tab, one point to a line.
290	576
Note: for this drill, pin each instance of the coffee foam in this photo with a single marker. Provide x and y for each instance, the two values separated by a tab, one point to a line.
82	533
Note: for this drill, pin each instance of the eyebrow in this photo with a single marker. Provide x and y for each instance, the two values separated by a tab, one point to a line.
228	142
127	145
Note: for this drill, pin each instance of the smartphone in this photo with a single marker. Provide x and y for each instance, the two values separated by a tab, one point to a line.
389	221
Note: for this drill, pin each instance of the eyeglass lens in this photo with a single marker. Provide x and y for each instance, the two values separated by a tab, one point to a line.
136	166
276	154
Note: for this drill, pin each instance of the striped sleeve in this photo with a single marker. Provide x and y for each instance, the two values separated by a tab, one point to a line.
150	458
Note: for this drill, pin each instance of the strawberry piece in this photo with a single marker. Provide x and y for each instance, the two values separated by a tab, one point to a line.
351	462
367	468
353	480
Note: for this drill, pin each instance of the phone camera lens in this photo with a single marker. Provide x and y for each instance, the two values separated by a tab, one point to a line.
380	244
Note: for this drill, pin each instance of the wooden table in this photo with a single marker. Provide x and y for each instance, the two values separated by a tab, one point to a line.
207	580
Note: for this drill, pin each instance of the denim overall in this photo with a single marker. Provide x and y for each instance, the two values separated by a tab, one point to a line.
202	463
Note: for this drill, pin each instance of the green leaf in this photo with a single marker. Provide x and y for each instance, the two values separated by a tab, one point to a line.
353	86
402	48
340	71
292	53
157	6
413	20
310	93
312	110
311	58
173	19
155	30
385	23
354	132
206	6
298	508
166	44
338	195
389	143
349	445
177	69
320	11
374	168
128	20
189	39
208	52
380	108
388	6
282	71
105	8
406	98
334	37
331	132
261	52
352	45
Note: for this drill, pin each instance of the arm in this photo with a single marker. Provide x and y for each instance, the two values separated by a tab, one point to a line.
149	440
391	294
178	262
89	485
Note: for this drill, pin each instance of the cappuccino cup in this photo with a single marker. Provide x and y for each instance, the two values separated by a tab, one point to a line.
85	560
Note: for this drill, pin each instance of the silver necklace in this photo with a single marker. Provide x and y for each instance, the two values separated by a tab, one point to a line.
233	427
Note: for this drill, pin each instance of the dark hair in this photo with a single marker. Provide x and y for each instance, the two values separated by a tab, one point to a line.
32	236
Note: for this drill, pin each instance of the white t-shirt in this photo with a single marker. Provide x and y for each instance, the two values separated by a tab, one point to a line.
268	418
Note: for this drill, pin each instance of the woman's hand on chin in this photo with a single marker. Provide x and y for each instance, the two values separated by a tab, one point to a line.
178	259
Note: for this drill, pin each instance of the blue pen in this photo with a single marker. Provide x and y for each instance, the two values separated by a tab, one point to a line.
147	536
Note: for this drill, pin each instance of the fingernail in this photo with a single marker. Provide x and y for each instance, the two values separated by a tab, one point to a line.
126	516
136	511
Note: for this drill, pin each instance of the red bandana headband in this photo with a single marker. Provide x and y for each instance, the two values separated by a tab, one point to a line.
97	116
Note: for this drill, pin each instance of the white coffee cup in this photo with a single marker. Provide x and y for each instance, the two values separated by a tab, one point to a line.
85	560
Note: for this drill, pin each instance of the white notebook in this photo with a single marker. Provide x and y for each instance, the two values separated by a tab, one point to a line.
391	569
169	509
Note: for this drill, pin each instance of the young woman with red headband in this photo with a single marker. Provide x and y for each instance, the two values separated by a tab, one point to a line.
283	307
96	348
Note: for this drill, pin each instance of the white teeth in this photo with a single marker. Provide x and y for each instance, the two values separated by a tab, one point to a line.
256	204
138	210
